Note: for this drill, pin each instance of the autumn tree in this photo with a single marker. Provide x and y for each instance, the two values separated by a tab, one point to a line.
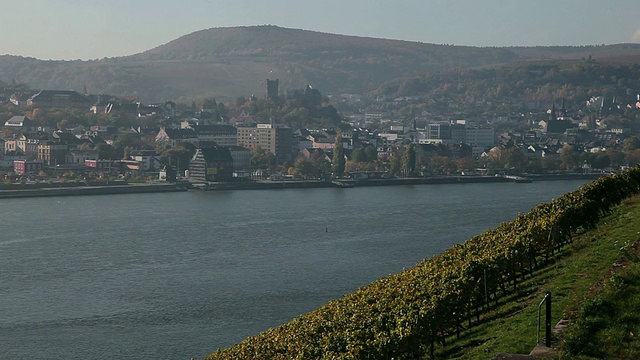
372	153
616	157
352	166
550	163
495	156
597	160
262	159
304	167
395	163
465	163
178	156
358	155
122	142
315	166
441	165
631	143
338	161
633	157
297	118
514	159
409	160
105	151
568	157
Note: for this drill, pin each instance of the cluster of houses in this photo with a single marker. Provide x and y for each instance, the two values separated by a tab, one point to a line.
30	149
222	151
542	131
98	104
223	147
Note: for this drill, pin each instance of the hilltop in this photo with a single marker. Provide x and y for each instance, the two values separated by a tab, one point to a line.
235	61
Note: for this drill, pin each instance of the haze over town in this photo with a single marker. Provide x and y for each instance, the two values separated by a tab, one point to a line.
202	101
94	29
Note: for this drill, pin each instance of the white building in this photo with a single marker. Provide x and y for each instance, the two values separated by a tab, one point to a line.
222	135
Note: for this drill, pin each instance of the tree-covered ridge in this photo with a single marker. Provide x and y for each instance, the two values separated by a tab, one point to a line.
235	61
407	315
274	40
571	80
303	44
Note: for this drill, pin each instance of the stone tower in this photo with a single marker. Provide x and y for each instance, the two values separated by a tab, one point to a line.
272	89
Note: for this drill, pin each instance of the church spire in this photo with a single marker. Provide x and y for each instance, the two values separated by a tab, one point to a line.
553	116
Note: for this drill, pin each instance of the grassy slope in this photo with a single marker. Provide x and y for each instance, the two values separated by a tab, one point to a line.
573	279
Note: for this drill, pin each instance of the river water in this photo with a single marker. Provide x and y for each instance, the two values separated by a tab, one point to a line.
178	275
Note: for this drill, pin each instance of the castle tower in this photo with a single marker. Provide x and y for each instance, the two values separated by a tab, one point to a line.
272	89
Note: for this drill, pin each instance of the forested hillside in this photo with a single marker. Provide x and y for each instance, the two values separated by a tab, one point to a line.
231	62
572	80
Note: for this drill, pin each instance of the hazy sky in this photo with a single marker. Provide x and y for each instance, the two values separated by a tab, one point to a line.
92	29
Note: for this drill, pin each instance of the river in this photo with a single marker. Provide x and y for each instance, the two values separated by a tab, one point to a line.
178	275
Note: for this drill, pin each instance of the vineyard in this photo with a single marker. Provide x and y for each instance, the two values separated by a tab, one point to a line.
411	314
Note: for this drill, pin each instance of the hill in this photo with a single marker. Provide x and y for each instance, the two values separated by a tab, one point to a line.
231	62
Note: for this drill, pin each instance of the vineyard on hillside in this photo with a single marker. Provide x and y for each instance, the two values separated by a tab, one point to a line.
410	314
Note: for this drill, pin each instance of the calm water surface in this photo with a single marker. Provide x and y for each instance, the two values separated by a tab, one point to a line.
178	275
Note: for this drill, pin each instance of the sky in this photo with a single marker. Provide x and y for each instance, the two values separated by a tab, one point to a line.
94	29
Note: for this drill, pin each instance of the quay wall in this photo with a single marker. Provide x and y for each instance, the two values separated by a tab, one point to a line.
432	180
90	190
287	184
115	187
265	185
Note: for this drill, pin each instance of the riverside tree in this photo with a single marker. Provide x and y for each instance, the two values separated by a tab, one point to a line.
338	162
261	158
409	160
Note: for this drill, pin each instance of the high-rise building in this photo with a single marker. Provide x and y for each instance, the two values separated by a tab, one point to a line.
439	131
223	135
275	138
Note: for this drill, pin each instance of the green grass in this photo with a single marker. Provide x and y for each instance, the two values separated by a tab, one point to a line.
575	277
608	323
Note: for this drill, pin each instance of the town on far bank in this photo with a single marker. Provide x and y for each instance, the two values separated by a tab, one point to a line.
63	136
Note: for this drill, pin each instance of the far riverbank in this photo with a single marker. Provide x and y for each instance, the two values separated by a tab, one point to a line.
348	183
119	187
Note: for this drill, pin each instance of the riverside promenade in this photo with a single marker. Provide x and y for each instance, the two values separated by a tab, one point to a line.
103	189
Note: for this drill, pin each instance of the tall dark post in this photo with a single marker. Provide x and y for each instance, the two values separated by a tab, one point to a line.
548	321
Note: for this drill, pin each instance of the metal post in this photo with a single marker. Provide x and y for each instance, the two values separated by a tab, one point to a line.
486	293
547	300
548	318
